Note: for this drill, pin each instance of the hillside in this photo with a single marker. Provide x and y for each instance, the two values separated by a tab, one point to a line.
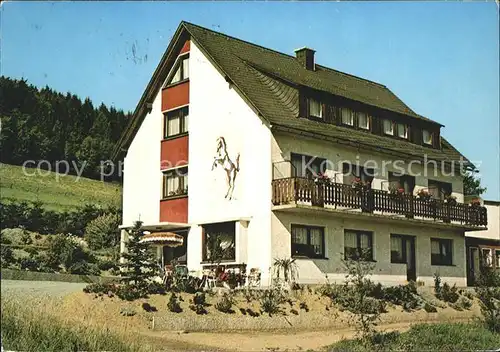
65	193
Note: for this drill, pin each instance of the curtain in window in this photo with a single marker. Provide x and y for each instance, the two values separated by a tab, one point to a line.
402	130
397	245
172	184
427	137
299	235
177	75
497	261
317	240
435	247
186	121
364	241
347	117
350	240
388	127
315	108
173	125
297	162
363	120
185	67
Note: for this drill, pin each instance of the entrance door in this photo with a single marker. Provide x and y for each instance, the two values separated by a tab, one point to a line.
403	252
473	265
411	270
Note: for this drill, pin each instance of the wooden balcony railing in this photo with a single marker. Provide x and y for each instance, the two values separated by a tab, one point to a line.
295	189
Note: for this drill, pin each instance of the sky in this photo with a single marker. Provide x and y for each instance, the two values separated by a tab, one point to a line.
440	58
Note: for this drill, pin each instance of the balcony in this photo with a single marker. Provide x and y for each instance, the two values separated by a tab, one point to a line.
303	191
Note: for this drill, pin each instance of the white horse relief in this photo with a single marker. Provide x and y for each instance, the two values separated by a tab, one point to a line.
231	168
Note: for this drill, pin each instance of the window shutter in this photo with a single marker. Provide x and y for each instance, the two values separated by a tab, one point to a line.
303	110
376	125
416	135
436	139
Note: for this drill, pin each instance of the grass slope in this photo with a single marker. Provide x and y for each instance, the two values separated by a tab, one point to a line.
56	192
429	337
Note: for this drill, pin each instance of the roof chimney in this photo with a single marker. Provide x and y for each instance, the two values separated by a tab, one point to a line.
306	57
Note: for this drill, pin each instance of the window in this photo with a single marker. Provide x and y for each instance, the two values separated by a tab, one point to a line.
497	258
358	245
219	241
402	130
175	182
487	257
350	172
401	248
427	137
398	181
438	189
441	251
315	108
307	166
308	241
181	70
176	122
388	127
347	116
363	121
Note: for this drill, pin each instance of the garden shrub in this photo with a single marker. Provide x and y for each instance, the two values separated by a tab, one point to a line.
270	300
173	305
106	265
103	232
449	293
6	256
429	308
29	264
199	303
225	303
488	292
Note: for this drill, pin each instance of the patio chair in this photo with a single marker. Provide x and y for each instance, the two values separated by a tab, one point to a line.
254	277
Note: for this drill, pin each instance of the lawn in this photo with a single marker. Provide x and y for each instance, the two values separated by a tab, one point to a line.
55	191
429	337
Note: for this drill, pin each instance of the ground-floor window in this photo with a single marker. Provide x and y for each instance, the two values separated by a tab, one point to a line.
308	241
487	257
441	251
219	241
358	245
400	248
497	258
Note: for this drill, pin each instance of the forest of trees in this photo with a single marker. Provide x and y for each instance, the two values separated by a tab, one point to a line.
42	124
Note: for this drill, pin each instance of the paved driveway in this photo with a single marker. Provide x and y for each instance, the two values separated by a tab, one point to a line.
39	288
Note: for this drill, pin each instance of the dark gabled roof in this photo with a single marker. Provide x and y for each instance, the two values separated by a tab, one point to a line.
269	82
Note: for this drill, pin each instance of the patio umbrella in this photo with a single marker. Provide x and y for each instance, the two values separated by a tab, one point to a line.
169	239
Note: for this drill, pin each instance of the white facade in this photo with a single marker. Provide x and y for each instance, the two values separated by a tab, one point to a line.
217	110
493	231
141	173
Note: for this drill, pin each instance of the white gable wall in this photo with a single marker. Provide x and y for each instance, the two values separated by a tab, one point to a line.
217	110
142	176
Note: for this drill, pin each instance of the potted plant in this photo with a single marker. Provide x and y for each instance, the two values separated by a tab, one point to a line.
476	203
424	194
451	200
396	192
322	178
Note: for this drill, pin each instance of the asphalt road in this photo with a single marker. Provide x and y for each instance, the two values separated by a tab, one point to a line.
37	288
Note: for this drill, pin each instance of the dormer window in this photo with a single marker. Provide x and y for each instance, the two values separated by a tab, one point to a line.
402	130
427	137
363	121
181	70
347	117
315	109
388	127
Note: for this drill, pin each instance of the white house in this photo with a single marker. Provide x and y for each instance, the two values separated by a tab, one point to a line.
483	247
288	158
